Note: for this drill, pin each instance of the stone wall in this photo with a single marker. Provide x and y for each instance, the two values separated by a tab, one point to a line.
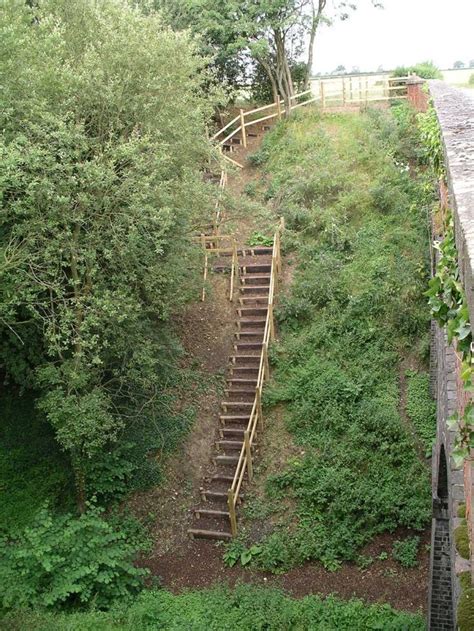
455	110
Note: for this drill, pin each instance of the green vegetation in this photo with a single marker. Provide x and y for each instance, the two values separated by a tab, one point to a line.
421	409
245	608
33	469
461	538
423	69
357	220
406	551
97	190
61	560
465	612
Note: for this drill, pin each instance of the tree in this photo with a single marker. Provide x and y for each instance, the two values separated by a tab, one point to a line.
471	63
272	34
102	145
458	65
339	70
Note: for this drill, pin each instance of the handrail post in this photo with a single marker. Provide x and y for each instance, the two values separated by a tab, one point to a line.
248	454
203	297
259	409
265	361
242	124
272	325
232	270
232	515
278	104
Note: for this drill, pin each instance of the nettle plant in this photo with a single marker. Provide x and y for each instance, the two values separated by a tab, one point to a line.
449	308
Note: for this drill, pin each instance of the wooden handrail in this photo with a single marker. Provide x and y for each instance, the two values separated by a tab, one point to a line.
218	133
244	462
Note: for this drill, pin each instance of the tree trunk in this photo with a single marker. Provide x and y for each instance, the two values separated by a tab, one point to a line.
283	71
80	483
316	18
266	66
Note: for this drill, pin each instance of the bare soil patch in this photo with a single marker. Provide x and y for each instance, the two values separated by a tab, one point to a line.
199	564
206	331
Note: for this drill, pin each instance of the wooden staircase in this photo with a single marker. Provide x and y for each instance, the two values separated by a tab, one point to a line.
212	516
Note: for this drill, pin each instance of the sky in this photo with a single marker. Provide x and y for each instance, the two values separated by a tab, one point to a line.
403	33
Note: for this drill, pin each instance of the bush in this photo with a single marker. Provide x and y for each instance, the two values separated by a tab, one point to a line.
421	409
424	69
61	561
406	551
471	79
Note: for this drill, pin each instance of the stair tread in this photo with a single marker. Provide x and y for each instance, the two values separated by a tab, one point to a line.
209	534
212	512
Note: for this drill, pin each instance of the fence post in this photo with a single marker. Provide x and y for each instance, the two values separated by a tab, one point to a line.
350	89
321	92
203	297
248	454
242	124
360	90
278	104
232	515
366	90
343	91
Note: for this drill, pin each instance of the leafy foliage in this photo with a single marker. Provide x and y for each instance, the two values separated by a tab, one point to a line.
421	409
33	469
101	148
357	221
247	608
405	551
423	69
62	561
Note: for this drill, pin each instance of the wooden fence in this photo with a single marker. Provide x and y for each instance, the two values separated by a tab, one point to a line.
215	245
256	423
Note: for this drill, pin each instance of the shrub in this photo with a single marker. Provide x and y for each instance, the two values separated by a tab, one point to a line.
421	409
406	551
471	79
61	560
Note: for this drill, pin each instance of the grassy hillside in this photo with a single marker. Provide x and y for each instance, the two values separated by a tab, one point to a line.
354	315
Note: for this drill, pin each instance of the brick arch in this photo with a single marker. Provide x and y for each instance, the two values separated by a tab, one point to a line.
440	590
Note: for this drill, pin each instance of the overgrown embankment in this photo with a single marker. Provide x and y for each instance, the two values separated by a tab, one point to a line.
356	209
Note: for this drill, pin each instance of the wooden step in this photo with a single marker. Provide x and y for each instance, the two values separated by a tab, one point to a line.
251	250
256	268
210	512
225	432
255	279
222	477
226	460
254	289
251	322
229	444
244	382
256	300
236	404
252	311
234	418
220	496
244	359
243	370
209	534
253	334
248	345
238	392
